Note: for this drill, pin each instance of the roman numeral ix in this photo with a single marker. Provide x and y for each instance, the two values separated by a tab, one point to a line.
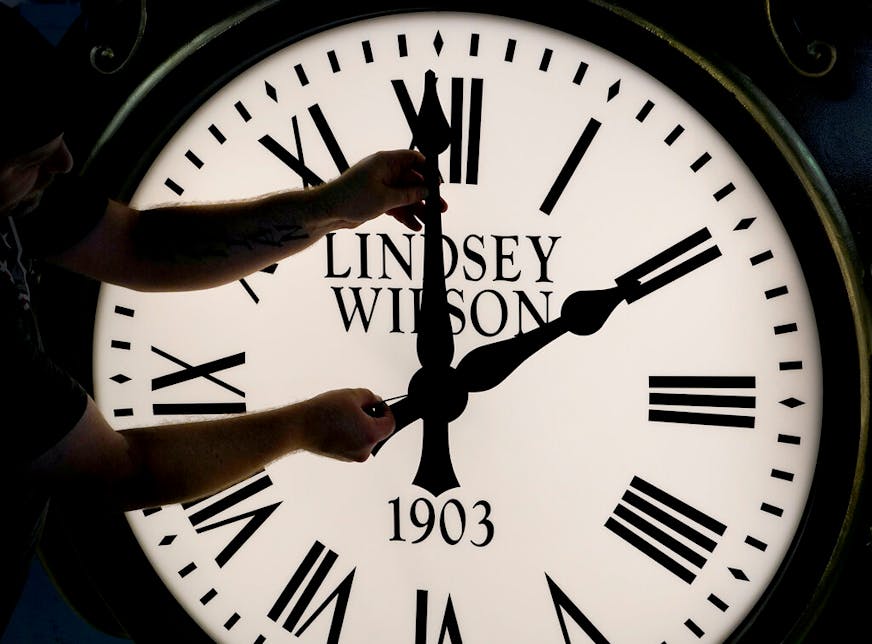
190	372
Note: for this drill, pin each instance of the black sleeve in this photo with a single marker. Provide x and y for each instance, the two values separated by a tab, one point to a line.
41	402
70	209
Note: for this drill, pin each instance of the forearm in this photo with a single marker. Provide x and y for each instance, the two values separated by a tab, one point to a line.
180	462
200	246
188	247
162	464
177	463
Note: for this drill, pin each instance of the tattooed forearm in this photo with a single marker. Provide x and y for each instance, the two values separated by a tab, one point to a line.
172	238
276	236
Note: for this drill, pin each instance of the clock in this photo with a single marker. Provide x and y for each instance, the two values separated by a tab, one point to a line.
627	364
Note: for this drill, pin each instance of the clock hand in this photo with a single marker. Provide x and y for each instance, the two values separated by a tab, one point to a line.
432	474
435	342
487	366
582	313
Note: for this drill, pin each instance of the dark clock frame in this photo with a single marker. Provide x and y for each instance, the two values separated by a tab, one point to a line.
121	145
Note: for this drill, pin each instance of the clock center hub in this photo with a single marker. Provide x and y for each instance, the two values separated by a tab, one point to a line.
439	393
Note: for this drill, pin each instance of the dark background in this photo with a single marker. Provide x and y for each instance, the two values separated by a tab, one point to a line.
813	59
43	615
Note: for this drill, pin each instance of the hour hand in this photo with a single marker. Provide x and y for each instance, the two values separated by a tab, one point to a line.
582	313
483	368
585	312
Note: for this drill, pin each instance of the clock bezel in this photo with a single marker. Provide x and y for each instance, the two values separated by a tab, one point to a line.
745	117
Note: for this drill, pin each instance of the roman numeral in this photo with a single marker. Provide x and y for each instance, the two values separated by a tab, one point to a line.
564	606
304	584
631	281
455	117
295	161
269	270
192	372
570	166
664	528
204	513
692	393
449	631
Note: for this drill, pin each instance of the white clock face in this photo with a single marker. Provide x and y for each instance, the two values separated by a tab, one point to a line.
641	483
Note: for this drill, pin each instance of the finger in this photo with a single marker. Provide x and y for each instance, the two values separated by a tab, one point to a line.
377	409
407	164
407	219
373	404
384	426
381	424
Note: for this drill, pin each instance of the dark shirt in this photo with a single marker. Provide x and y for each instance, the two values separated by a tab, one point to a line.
40	402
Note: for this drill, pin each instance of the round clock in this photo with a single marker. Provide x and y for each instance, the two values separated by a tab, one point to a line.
630	398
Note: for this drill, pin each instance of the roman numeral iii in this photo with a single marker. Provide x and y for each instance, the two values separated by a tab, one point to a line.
702	400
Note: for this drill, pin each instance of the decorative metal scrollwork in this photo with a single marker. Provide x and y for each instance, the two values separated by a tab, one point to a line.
118	30
788	24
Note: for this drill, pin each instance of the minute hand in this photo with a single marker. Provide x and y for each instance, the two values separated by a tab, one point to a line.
435	340
582	313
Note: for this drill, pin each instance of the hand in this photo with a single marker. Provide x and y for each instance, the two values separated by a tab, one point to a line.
389	182
337	424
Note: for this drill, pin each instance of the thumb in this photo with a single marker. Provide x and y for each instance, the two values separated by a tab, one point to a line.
383	418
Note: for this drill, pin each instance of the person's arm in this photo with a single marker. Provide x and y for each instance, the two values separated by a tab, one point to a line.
151	466
199	246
